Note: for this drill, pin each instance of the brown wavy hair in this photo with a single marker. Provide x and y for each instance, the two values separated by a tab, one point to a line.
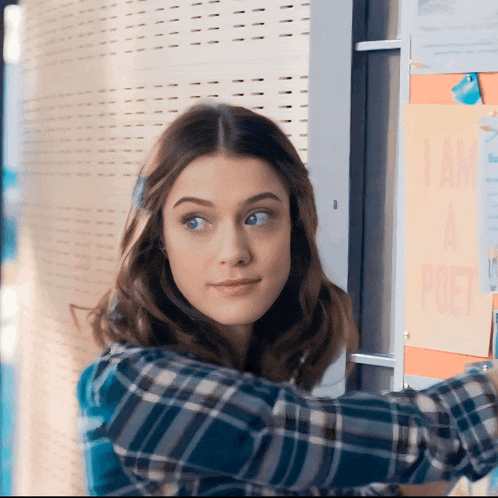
310	322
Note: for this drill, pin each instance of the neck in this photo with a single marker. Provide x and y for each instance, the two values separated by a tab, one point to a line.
239	337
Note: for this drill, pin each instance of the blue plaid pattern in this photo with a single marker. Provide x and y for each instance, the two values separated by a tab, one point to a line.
154	421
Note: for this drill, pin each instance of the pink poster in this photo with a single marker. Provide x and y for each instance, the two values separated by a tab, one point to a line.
444	308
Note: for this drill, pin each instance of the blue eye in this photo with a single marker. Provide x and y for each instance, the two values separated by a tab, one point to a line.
187	221
253	215
193	218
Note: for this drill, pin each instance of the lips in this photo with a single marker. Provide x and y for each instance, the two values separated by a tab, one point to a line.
234	283
240	289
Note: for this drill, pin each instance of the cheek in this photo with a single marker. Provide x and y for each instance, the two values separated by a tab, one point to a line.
187	259
278	250
189	268
276	260
185	268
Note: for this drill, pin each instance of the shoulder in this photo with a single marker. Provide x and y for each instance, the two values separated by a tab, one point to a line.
161	371
126	362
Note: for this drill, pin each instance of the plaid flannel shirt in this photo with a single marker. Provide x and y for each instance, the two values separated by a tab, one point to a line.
154	421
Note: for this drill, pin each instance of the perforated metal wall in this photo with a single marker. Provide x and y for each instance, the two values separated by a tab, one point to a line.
101	81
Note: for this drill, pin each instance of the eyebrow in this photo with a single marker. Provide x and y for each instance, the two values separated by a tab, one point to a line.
251	200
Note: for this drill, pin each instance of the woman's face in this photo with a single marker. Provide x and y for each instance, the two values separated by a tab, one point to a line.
223	236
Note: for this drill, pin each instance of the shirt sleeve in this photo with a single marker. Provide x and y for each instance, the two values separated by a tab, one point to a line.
174	417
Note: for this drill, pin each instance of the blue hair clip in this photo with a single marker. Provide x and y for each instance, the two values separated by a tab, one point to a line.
138	193
114	314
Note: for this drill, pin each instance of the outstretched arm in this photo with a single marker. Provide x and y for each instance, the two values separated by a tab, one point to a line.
178	416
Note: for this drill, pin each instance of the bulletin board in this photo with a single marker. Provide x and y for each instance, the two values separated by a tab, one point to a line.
438	89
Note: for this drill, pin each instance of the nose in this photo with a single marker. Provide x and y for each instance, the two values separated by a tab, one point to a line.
233	246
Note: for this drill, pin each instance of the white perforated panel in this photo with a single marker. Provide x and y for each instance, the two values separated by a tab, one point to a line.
101	81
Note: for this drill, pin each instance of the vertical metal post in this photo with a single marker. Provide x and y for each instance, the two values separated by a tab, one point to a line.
329	117
399	249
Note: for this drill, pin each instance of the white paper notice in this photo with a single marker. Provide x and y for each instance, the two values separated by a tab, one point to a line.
488	204
455	36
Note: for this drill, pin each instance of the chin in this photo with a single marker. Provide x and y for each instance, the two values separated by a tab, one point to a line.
235	318
235	321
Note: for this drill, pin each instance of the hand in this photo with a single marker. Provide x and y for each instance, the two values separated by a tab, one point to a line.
439	488
442	488
492	373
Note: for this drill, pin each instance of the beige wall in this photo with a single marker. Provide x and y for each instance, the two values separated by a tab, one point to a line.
101	81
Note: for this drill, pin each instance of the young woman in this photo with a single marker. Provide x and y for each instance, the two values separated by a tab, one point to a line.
205	385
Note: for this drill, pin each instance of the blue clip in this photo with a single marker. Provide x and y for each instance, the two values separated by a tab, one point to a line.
138	193
114	315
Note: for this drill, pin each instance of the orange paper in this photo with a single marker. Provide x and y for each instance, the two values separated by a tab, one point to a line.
444	309
436	88
437	364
